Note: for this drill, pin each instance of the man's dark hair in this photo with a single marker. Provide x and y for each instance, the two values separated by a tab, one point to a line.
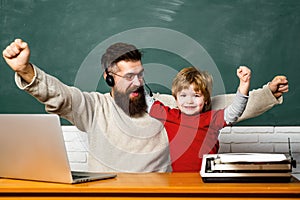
118	52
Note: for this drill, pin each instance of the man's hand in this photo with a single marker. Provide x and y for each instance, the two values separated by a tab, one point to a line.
17	56
279	85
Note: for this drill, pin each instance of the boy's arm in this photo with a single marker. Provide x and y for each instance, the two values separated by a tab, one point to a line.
236	108
239	103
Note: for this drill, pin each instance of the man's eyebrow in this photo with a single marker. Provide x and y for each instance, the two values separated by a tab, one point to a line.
135	73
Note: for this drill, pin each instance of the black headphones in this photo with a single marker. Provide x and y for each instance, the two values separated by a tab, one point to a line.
109	79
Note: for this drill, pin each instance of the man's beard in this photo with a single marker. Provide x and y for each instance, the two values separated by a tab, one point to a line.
134	107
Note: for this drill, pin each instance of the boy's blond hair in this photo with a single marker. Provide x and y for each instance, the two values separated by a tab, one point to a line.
201	80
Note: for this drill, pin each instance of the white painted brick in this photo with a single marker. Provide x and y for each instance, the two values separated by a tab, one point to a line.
70	128
79	166
294	137
239	138
252	148
225	138
295	148
76	146
281	148
279	137
225	148
77	157
225	130
76	136
80	136
71	134
268	138
252	129
287	129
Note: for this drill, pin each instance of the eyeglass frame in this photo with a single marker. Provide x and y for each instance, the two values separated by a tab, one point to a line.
130	76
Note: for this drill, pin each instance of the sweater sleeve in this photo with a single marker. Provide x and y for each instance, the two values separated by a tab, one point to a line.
235	110
260	100
47	90
66	101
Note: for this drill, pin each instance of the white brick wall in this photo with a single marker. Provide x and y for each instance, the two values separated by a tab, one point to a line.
261	139
77	146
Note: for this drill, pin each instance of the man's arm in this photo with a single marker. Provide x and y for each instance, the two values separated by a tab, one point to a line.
260	100
68	102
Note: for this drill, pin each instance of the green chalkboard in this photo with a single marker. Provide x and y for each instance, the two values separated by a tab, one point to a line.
67	38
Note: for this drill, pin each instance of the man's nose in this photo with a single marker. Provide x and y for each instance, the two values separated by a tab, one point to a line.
136	81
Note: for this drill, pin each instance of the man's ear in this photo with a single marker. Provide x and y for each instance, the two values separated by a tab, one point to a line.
104	75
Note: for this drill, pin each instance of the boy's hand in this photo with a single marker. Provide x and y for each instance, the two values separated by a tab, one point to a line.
244	74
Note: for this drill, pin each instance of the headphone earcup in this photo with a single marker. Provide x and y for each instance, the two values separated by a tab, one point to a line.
110	80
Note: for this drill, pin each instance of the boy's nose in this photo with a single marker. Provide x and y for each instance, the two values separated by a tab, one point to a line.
190	100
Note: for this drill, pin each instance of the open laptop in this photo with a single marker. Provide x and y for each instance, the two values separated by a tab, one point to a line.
32	148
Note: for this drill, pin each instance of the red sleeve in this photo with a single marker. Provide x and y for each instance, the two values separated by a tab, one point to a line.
159	111
217	119
162	112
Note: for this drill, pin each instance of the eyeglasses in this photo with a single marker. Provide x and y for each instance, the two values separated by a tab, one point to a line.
130	76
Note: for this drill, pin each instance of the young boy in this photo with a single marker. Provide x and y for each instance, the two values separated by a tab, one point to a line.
193	128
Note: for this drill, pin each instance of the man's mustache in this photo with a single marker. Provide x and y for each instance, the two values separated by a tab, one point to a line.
139	90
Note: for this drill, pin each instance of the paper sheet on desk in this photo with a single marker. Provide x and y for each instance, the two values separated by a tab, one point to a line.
251	157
